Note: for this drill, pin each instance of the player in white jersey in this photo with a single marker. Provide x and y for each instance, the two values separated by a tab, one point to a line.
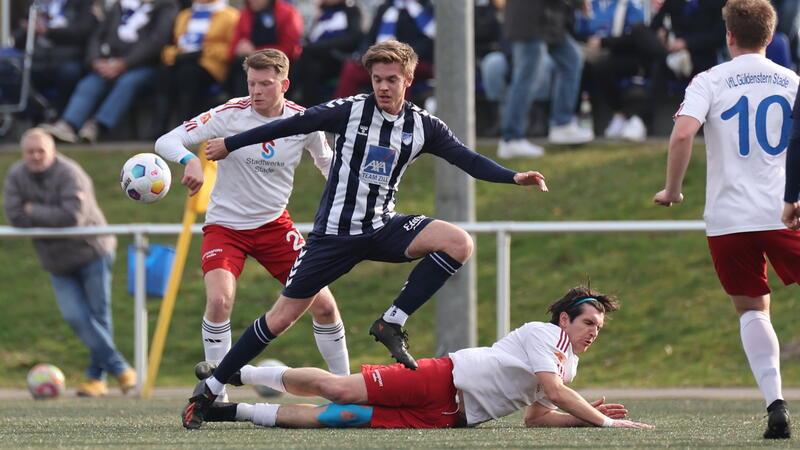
247	213
527	369
745	105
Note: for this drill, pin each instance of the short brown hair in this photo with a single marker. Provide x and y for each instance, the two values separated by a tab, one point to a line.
389	52
751	22
578	298
269	58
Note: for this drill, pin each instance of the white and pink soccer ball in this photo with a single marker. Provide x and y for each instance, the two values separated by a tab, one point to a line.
45	381
145	178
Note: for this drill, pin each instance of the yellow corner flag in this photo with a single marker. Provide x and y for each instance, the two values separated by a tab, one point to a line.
194	205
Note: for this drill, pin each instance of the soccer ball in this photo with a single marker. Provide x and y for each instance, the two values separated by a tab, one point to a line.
145	178
45	381
263	390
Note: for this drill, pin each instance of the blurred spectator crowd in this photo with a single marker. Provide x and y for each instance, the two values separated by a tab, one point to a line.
566	70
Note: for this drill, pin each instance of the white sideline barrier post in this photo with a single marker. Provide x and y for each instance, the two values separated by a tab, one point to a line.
503	302
140	310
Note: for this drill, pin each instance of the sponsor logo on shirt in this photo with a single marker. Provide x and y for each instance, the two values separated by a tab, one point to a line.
362	130
205	118
378	165
268	149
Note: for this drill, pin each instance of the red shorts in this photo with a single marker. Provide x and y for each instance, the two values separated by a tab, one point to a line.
403	398
741	264
274	245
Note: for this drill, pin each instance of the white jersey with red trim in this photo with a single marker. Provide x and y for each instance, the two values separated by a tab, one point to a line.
501	379
746	106
253	184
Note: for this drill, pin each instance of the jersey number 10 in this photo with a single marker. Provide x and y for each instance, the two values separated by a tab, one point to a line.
741	108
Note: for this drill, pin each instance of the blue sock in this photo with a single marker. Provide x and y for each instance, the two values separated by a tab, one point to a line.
429	275
252	342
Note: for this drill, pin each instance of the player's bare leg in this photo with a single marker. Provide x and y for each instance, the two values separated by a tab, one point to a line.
216	327
763	353
293	416
444	247
329	332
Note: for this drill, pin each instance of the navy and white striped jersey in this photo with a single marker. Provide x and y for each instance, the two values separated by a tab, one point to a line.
372	150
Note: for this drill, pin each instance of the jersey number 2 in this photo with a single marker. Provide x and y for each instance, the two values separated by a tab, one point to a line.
296	239
741	109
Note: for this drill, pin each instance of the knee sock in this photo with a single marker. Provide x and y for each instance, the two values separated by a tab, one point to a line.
332	345
264	414
271	377
763	353
429	275
216	340
252	342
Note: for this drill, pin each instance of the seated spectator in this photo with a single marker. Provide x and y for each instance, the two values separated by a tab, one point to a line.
263	24
618	46
63	28
408	21
123	52
694	37
333	37
198	58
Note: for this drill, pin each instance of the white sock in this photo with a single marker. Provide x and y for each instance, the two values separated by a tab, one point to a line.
763	353
265	414
395	315
271	377
215	386
332	345
244	412
216	339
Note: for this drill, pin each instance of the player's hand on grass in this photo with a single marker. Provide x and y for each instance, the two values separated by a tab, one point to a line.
612	410
791	215
665	198
193	176
630	424
530	178
215	149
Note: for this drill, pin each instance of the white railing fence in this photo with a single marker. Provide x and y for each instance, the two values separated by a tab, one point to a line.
502	231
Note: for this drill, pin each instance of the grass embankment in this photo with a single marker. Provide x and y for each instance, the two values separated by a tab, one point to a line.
676	326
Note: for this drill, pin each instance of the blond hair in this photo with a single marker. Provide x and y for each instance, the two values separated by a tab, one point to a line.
751	22
390	52
269	58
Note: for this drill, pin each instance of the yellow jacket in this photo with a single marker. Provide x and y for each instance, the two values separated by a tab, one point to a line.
215	55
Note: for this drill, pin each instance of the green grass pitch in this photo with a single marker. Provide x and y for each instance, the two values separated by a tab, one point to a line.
120	422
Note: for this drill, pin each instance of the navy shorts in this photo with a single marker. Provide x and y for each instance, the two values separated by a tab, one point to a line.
325	258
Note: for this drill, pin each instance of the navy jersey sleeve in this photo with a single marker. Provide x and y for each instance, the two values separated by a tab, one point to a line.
792	191
329	117
440	141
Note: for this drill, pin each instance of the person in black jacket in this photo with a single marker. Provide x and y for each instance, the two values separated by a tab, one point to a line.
62	31
123	53
333	37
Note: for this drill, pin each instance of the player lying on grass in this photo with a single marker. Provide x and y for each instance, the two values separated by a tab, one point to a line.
528	369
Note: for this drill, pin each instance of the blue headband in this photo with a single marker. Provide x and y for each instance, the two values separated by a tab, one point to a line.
584	300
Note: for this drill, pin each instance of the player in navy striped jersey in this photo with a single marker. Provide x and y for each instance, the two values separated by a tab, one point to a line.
376	137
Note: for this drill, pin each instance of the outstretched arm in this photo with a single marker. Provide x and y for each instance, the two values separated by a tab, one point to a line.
680	152
576	406
538	415
441	142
